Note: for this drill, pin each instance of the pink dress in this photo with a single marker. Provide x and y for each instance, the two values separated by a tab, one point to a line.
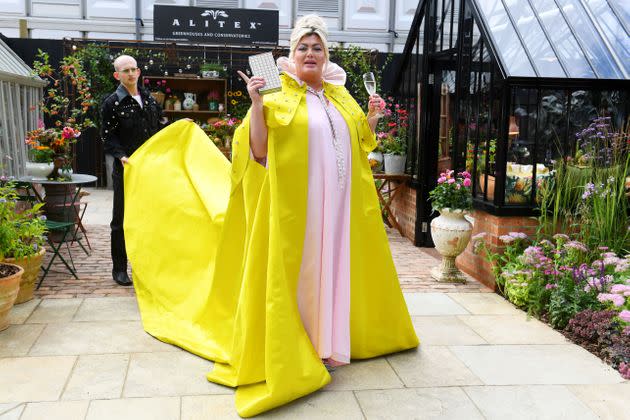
324	282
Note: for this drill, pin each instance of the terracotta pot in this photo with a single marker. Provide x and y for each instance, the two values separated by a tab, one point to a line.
451	233
31	266
9	287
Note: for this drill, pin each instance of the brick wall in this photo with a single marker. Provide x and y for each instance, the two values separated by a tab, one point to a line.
493	226
404	209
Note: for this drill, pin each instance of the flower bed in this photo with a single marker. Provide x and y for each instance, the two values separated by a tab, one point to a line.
579	284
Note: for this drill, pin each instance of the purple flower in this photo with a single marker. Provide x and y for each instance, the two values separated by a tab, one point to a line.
507	239
551	286
625	315
561	237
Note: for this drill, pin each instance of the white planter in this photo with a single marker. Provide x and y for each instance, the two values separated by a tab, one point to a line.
38	170
395	164
377	156
451	233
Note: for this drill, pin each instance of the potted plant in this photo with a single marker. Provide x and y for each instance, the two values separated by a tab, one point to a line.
66	104
21	239
159	91
213	100
451	231
392	131
211	69
221	131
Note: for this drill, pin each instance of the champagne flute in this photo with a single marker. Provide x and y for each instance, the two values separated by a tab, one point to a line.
369	81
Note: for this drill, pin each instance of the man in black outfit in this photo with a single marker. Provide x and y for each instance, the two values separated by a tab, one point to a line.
129	117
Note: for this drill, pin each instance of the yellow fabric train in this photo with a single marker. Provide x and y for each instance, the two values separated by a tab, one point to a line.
216	252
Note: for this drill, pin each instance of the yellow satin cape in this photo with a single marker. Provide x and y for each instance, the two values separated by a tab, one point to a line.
216	251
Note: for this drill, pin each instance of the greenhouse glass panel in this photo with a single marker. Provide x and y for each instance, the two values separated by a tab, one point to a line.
590	39
535	39
623	11
512	53
612	28
562	38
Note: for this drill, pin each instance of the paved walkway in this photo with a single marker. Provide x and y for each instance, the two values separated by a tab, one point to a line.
480	358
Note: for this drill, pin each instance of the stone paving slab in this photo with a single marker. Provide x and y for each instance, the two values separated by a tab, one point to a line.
541	402
419	403
535	364
609	402
97	376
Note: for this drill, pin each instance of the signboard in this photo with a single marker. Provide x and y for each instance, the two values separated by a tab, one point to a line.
215	26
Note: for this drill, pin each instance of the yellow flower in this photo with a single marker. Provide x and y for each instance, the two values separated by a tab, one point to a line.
233	102
230	93
238	93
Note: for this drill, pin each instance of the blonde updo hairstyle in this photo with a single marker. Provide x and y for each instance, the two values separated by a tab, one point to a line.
309	25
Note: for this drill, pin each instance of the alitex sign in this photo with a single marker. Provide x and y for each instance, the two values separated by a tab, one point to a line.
215	26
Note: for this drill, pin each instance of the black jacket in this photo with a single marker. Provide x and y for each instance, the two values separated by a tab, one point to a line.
125	125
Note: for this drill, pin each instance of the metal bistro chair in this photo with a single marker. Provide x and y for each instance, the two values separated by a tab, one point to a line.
63	228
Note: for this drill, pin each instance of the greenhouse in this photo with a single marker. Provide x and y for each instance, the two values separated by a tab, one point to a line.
502	88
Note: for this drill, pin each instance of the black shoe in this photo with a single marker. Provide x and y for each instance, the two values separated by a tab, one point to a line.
121	278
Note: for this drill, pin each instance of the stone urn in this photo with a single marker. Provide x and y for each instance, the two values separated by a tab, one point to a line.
451	233
10	276
37	170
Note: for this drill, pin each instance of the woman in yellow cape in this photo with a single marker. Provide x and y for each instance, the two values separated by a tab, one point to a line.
216	251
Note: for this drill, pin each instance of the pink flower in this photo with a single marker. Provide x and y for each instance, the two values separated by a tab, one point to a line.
146	81
620	289
441	180
68	133
551	286
451	181
625	315
467	182
616	300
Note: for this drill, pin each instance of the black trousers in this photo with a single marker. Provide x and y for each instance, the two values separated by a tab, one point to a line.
119	252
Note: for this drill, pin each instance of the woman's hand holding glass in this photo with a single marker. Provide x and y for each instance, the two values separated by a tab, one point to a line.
375	106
